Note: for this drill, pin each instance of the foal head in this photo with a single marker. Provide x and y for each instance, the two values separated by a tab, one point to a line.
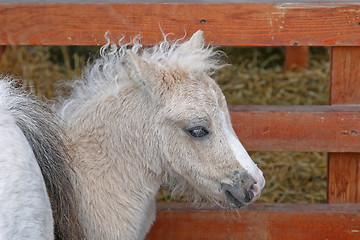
197	143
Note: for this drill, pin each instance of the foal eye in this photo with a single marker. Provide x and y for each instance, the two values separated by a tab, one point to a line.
198	132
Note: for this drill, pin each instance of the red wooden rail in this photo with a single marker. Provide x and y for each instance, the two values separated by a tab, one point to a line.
335	23
298	128
335	129
258	221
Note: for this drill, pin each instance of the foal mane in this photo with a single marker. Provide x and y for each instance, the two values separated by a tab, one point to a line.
113	69
42	130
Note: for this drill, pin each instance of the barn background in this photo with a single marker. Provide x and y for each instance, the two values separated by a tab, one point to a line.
256	76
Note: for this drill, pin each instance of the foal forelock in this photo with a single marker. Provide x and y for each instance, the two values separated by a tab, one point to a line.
44	134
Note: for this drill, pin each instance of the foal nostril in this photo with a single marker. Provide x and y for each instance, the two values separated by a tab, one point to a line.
256	190
249	195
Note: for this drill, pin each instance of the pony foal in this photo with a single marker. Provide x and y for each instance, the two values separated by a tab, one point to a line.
141	118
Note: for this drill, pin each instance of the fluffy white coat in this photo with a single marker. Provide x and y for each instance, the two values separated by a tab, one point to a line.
25	211
131	119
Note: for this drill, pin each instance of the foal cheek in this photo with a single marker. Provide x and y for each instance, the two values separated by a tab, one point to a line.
176	154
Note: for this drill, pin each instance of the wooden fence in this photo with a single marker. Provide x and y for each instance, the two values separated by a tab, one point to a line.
334	128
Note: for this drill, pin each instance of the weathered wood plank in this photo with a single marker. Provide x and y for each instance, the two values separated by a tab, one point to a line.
176	1
345	75
276	24
343	177
344	169
259	222
298	128
296	58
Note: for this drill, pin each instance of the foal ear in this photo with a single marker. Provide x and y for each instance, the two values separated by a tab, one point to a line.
146	72
141	65
196	41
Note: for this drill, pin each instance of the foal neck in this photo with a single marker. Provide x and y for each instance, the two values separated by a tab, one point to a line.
118	165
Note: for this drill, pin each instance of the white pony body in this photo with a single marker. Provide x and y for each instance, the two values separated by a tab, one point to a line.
23	196
25	211
37	199
141	117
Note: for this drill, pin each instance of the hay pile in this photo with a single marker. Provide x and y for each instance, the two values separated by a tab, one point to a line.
40	67
256	77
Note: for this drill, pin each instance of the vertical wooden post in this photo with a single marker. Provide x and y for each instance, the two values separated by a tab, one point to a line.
2	50
344	168
296	58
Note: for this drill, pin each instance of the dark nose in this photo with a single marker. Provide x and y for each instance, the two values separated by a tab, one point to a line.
242	190
236	195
